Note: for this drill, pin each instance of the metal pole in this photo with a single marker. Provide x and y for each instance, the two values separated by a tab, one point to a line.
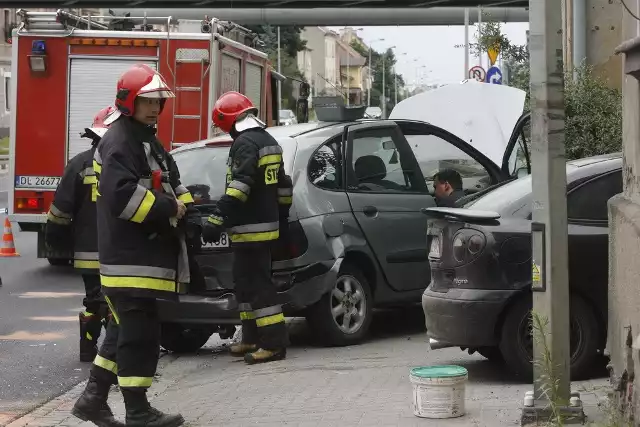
466	43
384	95
579	34
549	227
370	78
396	86
480	53
348	77
279	72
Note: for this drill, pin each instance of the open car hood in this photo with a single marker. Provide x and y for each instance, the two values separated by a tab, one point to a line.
481	114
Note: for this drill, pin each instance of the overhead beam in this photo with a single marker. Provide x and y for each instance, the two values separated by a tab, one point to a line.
339	16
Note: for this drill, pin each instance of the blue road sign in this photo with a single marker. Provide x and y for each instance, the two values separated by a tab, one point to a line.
494	76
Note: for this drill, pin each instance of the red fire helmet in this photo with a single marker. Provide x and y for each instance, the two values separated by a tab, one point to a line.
140	80
99	127
229	108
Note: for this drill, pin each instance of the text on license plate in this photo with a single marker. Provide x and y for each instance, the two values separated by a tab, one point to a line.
434	250
37	182
222	243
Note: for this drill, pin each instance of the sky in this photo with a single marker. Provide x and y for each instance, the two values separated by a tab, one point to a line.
430	53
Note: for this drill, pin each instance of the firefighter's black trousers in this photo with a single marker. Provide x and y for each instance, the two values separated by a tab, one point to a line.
131	348
261	315
93	300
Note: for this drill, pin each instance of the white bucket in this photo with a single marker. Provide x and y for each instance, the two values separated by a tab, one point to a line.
439	391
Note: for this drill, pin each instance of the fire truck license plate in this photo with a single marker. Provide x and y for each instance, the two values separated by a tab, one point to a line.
38	182
222	243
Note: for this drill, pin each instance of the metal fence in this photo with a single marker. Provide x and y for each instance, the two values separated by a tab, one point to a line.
4	162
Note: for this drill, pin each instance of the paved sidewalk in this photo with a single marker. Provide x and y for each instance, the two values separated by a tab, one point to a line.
365	385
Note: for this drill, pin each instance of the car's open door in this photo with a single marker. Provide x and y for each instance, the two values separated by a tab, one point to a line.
517	155
387	190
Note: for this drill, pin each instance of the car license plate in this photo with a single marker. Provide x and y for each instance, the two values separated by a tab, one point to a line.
37	182
434	250
222	243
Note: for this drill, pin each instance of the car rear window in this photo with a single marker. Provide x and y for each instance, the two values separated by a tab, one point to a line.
203	170
507	199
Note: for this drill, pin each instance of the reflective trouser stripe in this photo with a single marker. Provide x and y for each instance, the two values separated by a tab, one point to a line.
268	316
135	381
85	264
106	364
138	282
113	311
247	315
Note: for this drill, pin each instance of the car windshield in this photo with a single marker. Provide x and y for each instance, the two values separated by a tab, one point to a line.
203	170
286	114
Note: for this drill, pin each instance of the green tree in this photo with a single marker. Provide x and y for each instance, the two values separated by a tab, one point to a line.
390	76
291	43
593	110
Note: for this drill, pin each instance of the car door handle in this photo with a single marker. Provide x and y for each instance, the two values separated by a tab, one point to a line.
370	210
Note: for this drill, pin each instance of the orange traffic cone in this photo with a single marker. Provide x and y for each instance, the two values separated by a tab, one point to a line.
8	248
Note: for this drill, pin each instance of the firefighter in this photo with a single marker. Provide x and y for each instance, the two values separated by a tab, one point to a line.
72	219
254	210
142	250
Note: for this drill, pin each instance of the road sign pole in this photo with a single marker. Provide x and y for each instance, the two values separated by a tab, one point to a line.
549	227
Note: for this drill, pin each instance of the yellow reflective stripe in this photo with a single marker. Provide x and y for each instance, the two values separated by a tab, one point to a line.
94	192
97	167
186	198
89	337
138	282
91	179
113	311
214	220
135	381
255	237
270	158
247	315
236	193
270	320
144	208
81	263
57	220
87	314
285	200
106	364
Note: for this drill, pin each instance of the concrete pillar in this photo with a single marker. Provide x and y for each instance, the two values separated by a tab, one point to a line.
604	34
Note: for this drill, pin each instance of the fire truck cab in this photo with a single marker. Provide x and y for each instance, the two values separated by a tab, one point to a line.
65	68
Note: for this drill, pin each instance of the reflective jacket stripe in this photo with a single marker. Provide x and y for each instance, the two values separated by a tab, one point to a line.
236	193
285	195
239	190
269	159
138	276
213	219
135	381
255	232
97	167
186	198
139	205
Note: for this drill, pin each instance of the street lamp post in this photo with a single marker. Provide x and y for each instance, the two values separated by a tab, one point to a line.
371	71
396	77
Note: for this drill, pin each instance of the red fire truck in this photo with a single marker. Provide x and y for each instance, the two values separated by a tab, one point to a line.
65	68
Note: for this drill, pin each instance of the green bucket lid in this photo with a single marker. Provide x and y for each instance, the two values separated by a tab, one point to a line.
443	371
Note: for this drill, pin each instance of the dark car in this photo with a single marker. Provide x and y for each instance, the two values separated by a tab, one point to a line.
356	231
481	273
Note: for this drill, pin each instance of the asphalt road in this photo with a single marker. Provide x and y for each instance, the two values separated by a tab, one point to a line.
39	307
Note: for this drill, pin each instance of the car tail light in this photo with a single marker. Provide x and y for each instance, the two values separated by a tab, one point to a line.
467	244
33	204
435	247
293	244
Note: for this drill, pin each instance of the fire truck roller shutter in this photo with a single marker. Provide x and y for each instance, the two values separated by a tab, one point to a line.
253	85
92	85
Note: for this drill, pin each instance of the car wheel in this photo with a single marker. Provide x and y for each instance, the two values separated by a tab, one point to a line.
59	262
180	339
344	314
492	353
516	342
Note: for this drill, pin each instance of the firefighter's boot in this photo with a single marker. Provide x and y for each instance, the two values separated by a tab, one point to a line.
90	327
240	349
141	414
262	356
92	405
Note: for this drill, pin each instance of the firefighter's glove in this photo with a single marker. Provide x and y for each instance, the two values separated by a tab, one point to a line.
58	237
212	229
